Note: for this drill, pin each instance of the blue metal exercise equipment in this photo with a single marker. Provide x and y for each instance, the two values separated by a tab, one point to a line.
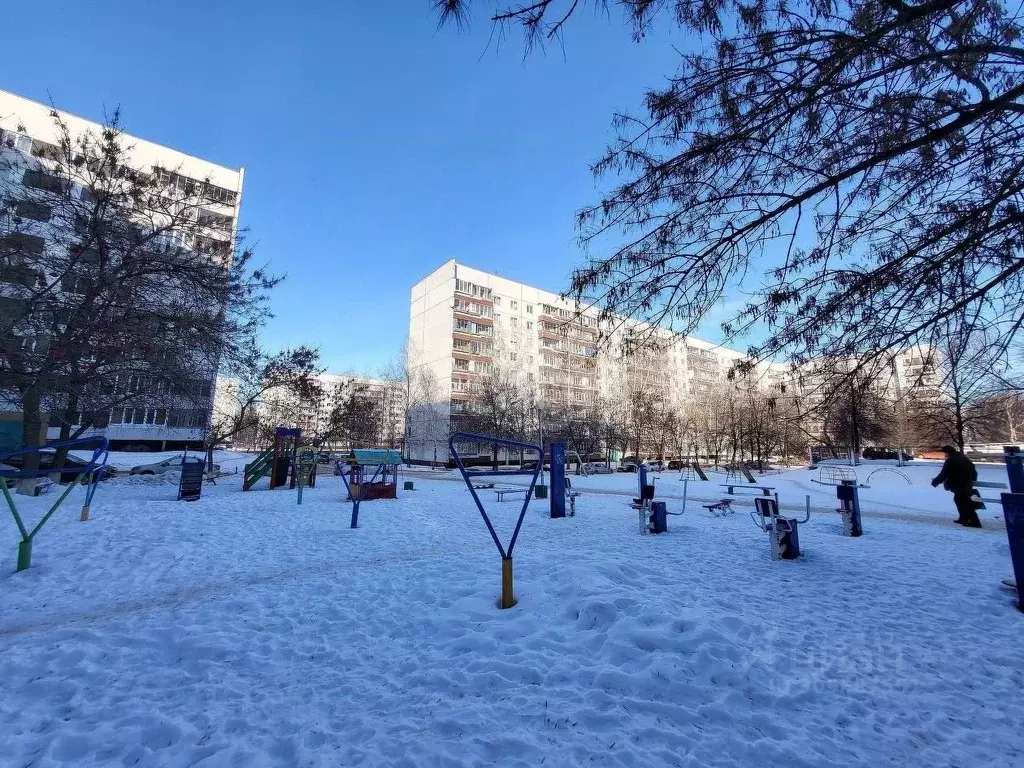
507	592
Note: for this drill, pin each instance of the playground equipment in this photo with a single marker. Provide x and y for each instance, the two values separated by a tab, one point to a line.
581	467
1013	514
508	598
275	462
190	484
891	471
90	477
783	532
834	475
364	486
305	474
849	507
687	473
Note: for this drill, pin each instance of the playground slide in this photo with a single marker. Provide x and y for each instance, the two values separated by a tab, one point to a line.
699	470
746	473
257	469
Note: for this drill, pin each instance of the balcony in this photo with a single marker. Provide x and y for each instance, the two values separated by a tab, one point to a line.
472	317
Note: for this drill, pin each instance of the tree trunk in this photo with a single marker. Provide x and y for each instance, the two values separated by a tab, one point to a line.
32	425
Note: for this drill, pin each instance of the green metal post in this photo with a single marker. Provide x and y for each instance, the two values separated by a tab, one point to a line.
24	554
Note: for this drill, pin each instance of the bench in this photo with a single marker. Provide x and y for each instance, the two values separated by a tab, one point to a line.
765	490
998	486
501	493
482	486
720	508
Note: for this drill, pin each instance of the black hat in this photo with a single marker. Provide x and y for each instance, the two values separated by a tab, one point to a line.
948	449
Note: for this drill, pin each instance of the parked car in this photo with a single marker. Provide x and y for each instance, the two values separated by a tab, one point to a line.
172	464
73	468
655	465
532	465
324	457
885	453
597	468
629	464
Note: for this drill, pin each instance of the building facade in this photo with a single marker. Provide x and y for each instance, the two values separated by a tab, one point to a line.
353	412
465	324
468	326
152	420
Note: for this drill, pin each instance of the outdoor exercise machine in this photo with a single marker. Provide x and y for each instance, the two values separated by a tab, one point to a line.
561	486
304	475
90	477
1013	514
190	484
364	485
783	532
849	507
275	462
508	598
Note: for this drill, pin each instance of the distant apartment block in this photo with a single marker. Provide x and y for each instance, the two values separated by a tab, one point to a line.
377	418
27	133
464	322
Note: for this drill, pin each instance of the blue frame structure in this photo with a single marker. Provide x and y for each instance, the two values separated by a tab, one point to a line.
507	593
92	471
382	458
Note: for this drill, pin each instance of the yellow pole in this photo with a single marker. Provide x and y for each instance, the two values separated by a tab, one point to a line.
508	597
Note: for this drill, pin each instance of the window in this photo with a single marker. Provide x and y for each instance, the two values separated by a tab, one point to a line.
512	356
529	325
514	321
29	209
117	416
44	181
21	244
16	141
497	301
529	309
529	358
515	305
160	416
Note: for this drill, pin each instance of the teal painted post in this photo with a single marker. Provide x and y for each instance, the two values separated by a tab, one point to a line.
24	554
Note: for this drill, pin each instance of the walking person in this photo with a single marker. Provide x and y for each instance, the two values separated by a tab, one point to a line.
958	475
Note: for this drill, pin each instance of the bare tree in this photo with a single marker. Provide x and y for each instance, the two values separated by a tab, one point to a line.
258	384
882	134
356	417
970	369
498	405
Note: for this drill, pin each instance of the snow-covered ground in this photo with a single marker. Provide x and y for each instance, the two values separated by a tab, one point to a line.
125	460
245	630
892	492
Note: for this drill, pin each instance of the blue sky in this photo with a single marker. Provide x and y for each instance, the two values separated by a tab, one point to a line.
376	147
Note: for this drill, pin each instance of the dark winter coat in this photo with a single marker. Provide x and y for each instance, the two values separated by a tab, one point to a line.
958	473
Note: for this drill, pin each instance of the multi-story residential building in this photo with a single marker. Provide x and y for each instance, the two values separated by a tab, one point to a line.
382	401
27	134
466	324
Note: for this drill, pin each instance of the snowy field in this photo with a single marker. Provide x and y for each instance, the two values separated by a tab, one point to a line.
244	630
901	493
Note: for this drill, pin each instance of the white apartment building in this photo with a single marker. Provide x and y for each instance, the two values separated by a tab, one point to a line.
385	404
27	131
464	321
